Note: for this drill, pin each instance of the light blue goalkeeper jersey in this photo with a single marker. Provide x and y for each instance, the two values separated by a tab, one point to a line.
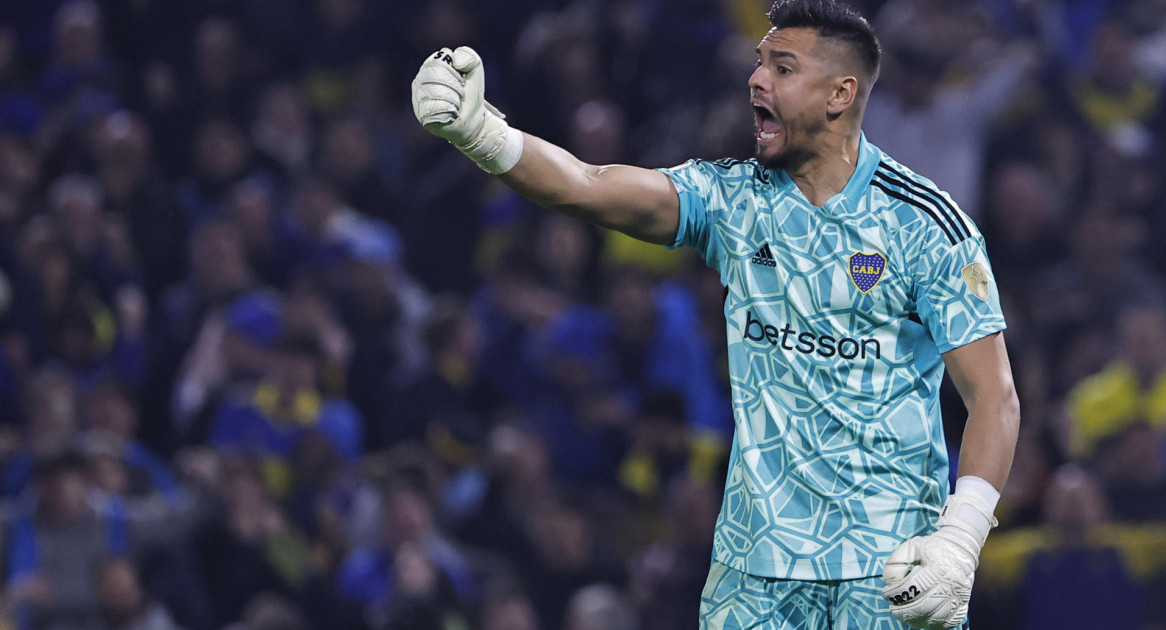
836	320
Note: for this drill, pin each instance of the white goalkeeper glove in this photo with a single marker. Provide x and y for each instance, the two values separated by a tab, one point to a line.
449	99
929	578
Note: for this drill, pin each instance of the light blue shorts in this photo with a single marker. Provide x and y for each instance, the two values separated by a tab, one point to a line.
733	600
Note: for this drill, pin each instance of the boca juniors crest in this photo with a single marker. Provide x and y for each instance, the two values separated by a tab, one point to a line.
866	270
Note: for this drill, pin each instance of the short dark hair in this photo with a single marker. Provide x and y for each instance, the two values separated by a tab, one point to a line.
834	20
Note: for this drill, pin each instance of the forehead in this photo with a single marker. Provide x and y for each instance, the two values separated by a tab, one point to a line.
800	41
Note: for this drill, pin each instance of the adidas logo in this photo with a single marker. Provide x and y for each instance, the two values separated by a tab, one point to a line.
764	257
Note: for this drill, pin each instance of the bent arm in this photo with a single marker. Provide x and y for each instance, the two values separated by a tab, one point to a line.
639	202
982	374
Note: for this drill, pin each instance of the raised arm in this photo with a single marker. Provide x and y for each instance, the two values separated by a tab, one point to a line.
639	202
449	100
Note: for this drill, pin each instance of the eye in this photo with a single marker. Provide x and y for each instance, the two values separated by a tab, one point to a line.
783	70
757	64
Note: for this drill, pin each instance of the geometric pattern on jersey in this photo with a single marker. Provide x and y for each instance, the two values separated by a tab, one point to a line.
733	600
838	452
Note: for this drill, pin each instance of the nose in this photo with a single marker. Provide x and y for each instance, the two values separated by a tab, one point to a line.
759	80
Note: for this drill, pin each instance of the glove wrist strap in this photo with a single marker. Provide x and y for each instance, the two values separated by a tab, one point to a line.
497	147
970	509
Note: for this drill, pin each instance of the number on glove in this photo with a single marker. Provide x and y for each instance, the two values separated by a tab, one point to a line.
905	597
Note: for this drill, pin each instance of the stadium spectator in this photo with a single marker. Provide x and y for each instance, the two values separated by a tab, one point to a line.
217	87
54	550
1059	581
606	361
1111	91
234	348
135	192
1128	465
342	39
452	395
252	208
56	544
20	177
282	132
219	273
1131	388
81	80
566	557
413	569
221	157
346	160
252	548
514	478
50	426
111	425
19	111
1079	297
912	113
123	604
1024	214
270	420
658	444
666	577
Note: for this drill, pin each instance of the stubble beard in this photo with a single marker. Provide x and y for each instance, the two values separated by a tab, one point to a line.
768	161
785	159
789	158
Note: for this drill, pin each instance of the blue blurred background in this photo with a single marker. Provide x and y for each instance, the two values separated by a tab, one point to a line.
272	357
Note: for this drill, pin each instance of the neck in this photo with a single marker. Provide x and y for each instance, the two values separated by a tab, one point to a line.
826	173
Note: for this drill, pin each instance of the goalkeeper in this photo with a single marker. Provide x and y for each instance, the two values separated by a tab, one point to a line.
851	285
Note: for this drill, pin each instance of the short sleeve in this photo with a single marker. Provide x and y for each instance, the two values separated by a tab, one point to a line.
698	184
956	294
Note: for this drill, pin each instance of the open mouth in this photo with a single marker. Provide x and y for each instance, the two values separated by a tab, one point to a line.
765	121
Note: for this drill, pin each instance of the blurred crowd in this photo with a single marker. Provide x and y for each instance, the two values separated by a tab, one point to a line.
272	357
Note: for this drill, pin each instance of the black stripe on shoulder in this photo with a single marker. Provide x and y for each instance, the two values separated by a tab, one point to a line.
930	212
728	163
725	162
904	181
937	212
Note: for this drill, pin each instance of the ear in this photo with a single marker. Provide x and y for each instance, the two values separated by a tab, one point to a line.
844	94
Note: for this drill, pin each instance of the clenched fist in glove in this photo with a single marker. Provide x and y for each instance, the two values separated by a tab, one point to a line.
449	99
929	578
